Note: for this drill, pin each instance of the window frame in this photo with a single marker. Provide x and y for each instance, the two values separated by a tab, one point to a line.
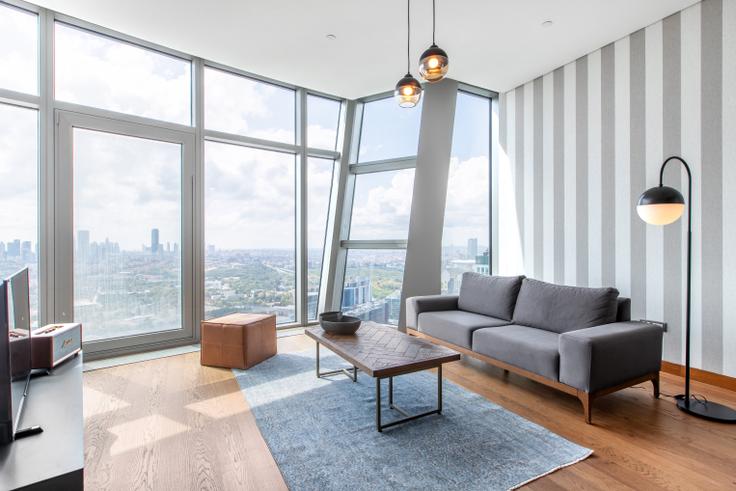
355	168
492	169
49	109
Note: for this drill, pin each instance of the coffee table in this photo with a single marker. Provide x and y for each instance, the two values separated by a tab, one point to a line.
384	352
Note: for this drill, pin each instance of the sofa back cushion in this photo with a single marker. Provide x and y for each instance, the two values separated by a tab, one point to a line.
489	295
559	308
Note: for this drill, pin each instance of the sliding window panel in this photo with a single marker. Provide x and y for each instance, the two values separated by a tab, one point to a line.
18	50
323	117
246	106
372	288
319	189
98	71
249	224
466	233
19	196
382	205
388	131
124	222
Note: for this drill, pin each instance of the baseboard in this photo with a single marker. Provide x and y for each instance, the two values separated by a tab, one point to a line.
711	378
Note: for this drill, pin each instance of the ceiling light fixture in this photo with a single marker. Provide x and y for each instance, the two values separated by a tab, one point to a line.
434	63
408	90
547	23
331	37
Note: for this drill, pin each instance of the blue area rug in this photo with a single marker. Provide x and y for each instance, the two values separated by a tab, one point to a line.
322	432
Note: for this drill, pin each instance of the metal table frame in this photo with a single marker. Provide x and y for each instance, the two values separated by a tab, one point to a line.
380	426
352	376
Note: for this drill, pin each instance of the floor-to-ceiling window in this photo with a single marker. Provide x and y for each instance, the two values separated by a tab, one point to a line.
254	163
466	235
323	117
381	185
147	189
249	231
19	147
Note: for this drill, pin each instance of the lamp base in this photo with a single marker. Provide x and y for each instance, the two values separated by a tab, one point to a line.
707	410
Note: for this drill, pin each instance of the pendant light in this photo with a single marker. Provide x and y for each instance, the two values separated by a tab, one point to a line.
408	90
434	63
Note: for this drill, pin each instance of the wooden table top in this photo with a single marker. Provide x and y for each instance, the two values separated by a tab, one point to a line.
383	351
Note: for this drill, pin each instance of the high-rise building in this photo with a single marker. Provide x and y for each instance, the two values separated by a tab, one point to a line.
14	248
83	243
472	248
2	249
482	263
356	292
25	250
154	241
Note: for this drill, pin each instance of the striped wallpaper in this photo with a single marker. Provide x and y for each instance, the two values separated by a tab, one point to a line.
580	144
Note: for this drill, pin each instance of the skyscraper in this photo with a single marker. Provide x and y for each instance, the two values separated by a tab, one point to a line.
14	248
154	241
472	248
83	243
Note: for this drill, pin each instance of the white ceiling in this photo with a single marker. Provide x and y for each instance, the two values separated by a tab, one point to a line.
495	44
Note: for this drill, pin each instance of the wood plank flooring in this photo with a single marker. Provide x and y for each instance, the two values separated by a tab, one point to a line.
170	424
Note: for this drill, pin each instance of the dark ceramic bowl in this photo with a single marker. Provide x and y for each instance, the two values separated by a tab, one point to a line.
338	323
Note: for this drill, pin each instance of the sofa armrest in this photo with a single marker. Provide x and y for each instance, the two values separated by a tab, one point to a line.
427	303
601	357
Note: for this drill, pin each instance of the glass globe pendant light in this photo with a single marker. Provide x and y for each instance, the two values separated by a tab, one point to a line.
408	90
434	62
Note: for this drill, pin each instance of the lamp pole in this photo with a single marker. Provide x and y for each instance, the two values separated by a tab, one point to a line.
663	205
689	266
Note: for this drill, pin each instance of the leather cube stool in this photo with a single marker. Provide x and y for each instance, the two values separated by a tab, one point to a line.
238	340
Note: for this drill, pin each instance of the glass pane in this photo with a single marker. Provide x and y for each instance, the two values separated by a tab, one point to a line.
319	186
372	289
18	50
250	219
19	196
241	105
382	205
323	117
465	239
127	229
388	131
102	72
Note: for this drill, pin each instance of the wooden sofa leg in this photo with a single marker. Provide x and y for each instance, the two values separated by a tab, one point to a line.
655	386
585	399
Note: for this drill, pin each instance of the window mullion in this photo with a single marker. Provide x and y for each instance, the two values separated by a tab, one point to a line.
301	266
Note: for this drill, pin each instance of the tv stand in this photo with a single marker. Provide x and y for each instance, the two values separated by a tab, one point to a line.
52	459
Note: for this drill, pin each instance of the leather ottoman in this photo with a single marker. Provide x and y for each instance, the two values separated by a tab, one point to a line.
238	340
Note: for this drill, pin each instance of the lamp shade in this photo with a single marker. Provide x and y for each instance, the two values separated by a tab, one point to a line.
661	205
408	91
433	64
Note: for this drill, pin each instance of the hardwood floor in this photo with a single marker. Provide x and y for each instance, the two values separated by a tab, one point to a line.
172	424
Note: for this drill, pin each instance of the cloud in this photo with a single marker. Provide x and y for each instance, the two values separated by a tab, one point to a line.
467	207
96	71
382	205
18	173
125	186
19	52
240	105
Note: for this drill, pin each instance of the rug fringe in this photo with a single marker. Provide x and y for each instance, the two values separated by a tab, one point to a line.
590	452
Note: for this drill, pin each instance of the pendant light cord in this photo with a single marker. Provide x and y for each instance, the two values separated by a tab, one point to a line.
434	15
408	35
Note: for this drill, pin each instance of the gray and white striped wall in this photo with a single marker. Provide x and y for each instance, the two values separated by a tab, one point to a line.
580	144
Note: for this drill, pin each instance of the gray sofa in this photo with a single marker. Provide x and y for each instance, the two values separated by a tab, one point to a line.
578	340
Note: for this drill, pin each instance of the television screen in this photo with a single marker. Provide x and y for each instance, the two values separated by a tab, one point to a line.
15	355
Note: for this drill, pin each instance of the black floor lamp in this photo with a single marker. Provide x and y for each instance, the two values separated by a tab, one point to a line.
663	205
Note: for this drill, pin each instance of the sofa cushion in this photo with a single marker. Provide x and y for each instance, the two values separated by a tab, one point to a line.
489	295
524	347
455	326
559	308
